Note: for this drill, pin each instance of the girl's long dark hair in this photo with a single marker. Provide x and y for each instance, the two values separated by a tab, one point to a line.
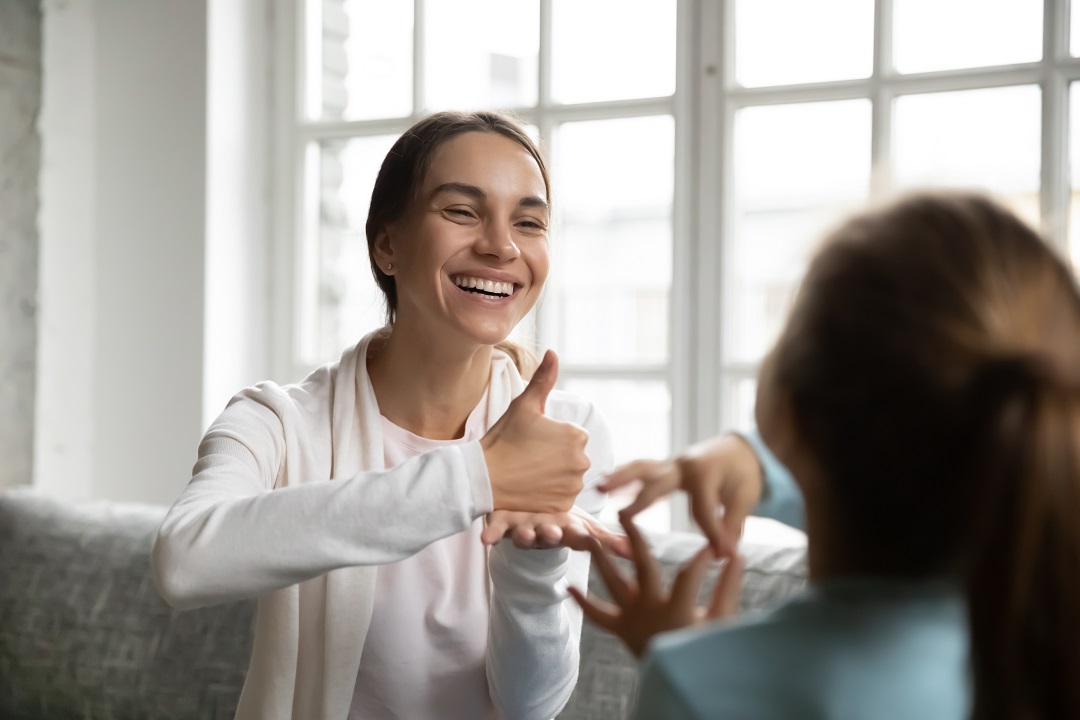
932	362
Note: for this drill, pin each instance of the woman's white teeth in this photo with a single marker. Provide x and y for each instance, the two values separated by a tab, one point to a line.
488	287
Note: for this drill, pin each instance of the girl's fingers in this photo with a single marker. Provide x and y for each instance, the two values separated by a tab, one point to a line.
649	493
703	506
647	573
598	612
725	600
735	514
621	591
626	474
684	588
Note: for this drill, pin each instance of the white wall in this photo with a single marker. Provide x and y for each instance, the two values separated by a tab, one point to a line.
123	225
237	345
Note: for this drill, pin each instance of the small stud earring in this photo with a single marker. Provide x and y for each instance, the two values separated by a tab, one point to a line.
389	267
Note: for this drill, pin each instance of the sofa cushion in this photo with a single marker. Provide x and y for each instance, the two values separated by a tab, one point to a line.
83	631
84	634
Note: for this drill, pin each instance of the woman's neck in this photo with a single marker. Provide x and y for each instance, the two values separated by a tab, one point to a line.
428	385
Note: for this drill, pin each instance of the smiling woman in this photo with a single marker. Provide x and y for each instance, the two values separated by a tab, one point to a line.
365	505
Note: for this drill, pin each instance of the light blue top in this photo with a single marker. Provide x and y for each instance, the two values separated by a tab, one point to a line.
846	649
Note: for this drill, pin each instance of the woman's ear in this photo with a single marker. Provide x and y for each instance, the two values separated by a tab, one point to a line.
383	251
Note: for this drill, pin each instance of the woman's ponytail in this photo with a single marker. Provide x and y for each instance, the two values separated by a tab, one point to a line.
1022	575
523	357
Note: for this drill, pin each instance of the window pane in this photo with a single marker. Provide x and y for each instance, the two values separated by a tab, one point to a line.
949	34
611	264
831	39
481	53
639	413
798	168
359	59
985	139
603	50
741	394
345	304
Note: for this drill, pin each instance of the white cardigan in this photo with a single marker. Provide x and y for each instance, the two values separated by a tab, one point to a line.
261	517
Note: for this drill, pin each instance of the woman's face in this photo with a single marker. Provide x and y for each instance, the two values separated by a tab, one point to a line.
471	254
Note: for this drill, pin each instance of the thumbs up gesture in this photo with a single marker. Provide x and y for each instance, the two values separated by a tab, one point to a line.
535	463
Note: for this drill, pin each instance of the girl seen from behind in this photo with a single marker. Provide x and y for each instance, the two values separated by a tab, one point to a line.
925	394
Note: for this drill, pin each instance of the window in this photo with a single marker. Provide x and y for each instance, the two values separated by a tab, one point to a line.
698	148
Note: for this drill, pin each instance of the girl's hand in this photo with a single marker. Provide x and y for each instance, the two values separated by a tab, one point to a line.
641	609
720	473
577	530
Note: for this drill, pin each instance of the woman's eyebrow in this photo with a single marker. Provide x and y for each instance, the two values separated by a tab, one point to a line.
533	201
460	187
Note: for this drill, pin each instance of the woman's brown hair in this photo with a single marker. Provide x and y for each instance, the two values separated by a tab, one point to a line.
402	173
932	364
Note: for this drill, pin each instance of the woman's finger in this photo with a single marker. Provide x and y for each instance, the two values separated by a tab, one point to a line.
725	600
548	535
523	536
684	588
589	526
495	530
647	573
600	613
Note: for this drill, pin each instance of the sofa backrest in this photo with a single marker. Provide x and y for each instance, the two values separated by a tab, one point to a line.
83	631
84	634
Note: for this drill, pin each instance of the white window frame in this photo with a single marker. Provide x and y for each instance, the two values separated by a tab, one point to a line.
704	107
721	98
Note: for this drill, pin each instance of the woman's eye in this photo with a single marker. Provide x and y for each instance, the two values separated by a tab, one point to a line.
530	225
460	212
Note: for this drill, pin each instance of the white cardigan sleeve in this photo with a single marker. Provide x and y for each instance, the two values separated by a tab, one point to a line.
534	633
231	534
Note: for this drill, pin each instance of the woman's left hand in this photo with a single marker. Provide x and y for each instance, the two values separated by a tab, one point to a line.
577	530
642	609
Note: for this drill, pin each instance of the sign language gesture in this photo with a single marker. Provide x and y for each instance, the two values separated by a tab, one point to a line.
576	530
721	473
535	463
641	609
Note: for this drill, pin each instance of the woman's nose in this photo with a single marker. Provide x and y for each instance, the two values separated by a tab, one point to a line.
497	240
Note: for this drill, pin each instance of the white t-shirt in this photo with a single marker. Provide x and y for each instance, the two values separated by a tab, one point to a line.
426	649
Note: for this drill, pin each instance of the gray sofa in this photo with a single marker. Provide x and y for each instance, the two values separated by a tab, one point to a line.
84	634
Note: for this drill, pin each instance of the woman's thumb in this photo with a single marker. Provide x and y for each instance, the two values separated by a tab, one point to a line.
543	380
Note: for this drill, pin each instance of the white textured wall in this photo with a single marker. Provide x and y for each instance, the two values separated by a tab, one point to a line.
123	226
20	102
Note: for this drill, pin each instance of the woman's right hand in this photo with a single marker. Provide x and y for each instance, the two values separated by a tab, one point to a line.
536	464
719	473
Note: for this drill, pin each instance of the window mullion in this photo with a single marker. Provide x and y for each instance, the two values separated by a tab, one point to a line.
419	26
682	307
544	57
882	99
545	317
1054	185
